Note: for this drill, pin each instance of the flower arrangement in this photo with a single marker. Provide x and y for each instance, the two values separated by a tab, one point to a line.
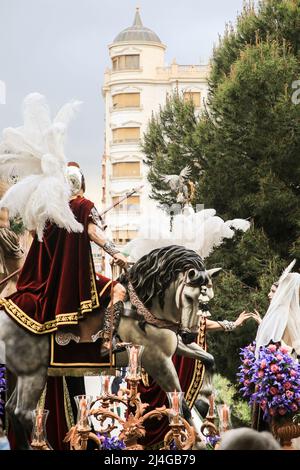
271	380
2	389
212	441
111	443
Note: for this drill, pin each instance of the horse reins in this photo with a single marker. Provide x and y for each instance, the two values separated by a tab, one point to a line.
148	316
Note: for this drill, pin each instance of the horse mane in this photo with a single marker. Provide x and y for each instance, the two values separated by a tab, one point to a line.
152	274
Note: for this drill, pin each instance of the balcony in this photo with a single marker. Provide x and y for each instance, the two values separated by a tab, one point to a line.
176	71
125	141
129	109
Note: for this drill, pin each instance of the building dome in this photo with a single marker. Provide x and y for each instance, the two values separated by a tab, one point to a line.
137	32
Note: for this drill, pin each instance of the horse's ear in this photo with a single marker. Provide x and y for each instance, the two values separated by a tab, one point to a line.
214	271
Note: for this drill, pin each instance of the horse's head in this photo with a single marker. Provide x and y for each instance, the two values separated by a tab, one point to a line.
194	291
173	283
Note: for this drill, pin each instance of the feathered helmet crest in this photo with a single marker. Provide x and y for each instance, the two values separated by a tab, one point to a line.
75	177
34	155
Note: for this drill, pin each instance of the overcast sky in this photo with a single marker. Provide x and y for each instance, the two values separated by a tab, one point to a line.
60	49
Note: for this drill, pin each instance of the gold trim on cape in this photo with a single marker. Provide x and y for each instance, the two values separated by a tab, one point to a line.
199	369
77	371
75	364
71	318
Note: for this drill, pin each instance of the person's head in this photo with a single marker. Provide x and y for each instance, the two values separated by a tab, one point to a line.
75	178
248	439
273	289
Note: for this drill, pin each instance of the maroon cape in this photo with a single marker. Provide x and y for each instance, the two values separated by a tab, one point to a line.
57	285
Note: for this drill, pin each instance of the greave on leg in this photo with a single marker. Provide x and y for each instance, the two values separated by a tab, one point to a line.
104	334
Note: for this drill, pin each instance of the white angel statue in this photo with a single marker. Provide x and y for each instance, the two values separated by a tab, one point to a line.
33	156
179	184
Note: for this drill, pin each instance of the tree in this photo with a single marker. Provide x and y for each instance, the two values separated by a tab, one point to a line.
251	139
252	125
250	136
247	143
170	144
250	267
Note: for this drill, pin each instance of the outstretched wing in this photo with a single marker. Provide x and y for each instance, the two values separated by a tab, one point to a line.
186	172
171	180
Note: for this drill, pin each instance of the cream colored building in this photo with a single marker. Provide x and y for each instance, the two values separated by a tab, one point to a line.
134	87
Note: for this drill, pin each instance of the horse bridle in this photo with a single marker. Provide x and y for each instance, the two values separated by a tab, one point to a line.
151	319
194	328
148	316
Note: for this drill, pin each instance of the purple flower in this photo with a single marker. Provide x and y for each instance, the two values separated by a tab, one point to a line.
211	441
272	380
173	445
111	443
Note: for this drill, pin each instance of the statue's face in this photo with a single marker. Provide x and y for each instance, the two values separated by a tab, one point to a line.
272	292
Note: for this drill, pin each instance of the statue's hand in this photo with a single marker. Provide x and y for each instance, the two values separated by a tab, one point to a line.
242	318
120	260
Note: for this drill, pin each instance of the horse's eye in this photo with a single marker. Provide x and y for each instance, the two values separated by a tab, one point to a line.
189	299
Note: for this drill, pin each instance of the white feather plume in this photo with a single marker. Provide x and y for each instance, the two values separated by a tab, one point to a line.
67	113
34	153
200	231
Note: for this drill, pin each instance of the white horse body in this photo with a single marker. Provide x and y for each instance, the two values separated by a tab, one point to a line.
27	355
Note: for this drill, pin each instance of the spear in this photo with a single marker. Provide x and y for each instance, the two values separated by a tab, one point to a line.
7	278
127	195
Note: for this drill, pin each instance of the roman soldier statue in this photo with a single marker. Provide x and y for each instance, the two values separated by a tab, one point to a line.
57	289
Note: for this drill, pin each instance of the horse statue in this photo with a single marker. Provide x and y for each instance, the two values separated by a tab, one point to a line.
173	286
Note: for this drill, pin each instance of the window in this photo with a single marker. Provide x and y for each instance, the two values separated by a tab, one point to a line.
126	62
126	169
132	203
194	97
126	134
126	100
121	237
